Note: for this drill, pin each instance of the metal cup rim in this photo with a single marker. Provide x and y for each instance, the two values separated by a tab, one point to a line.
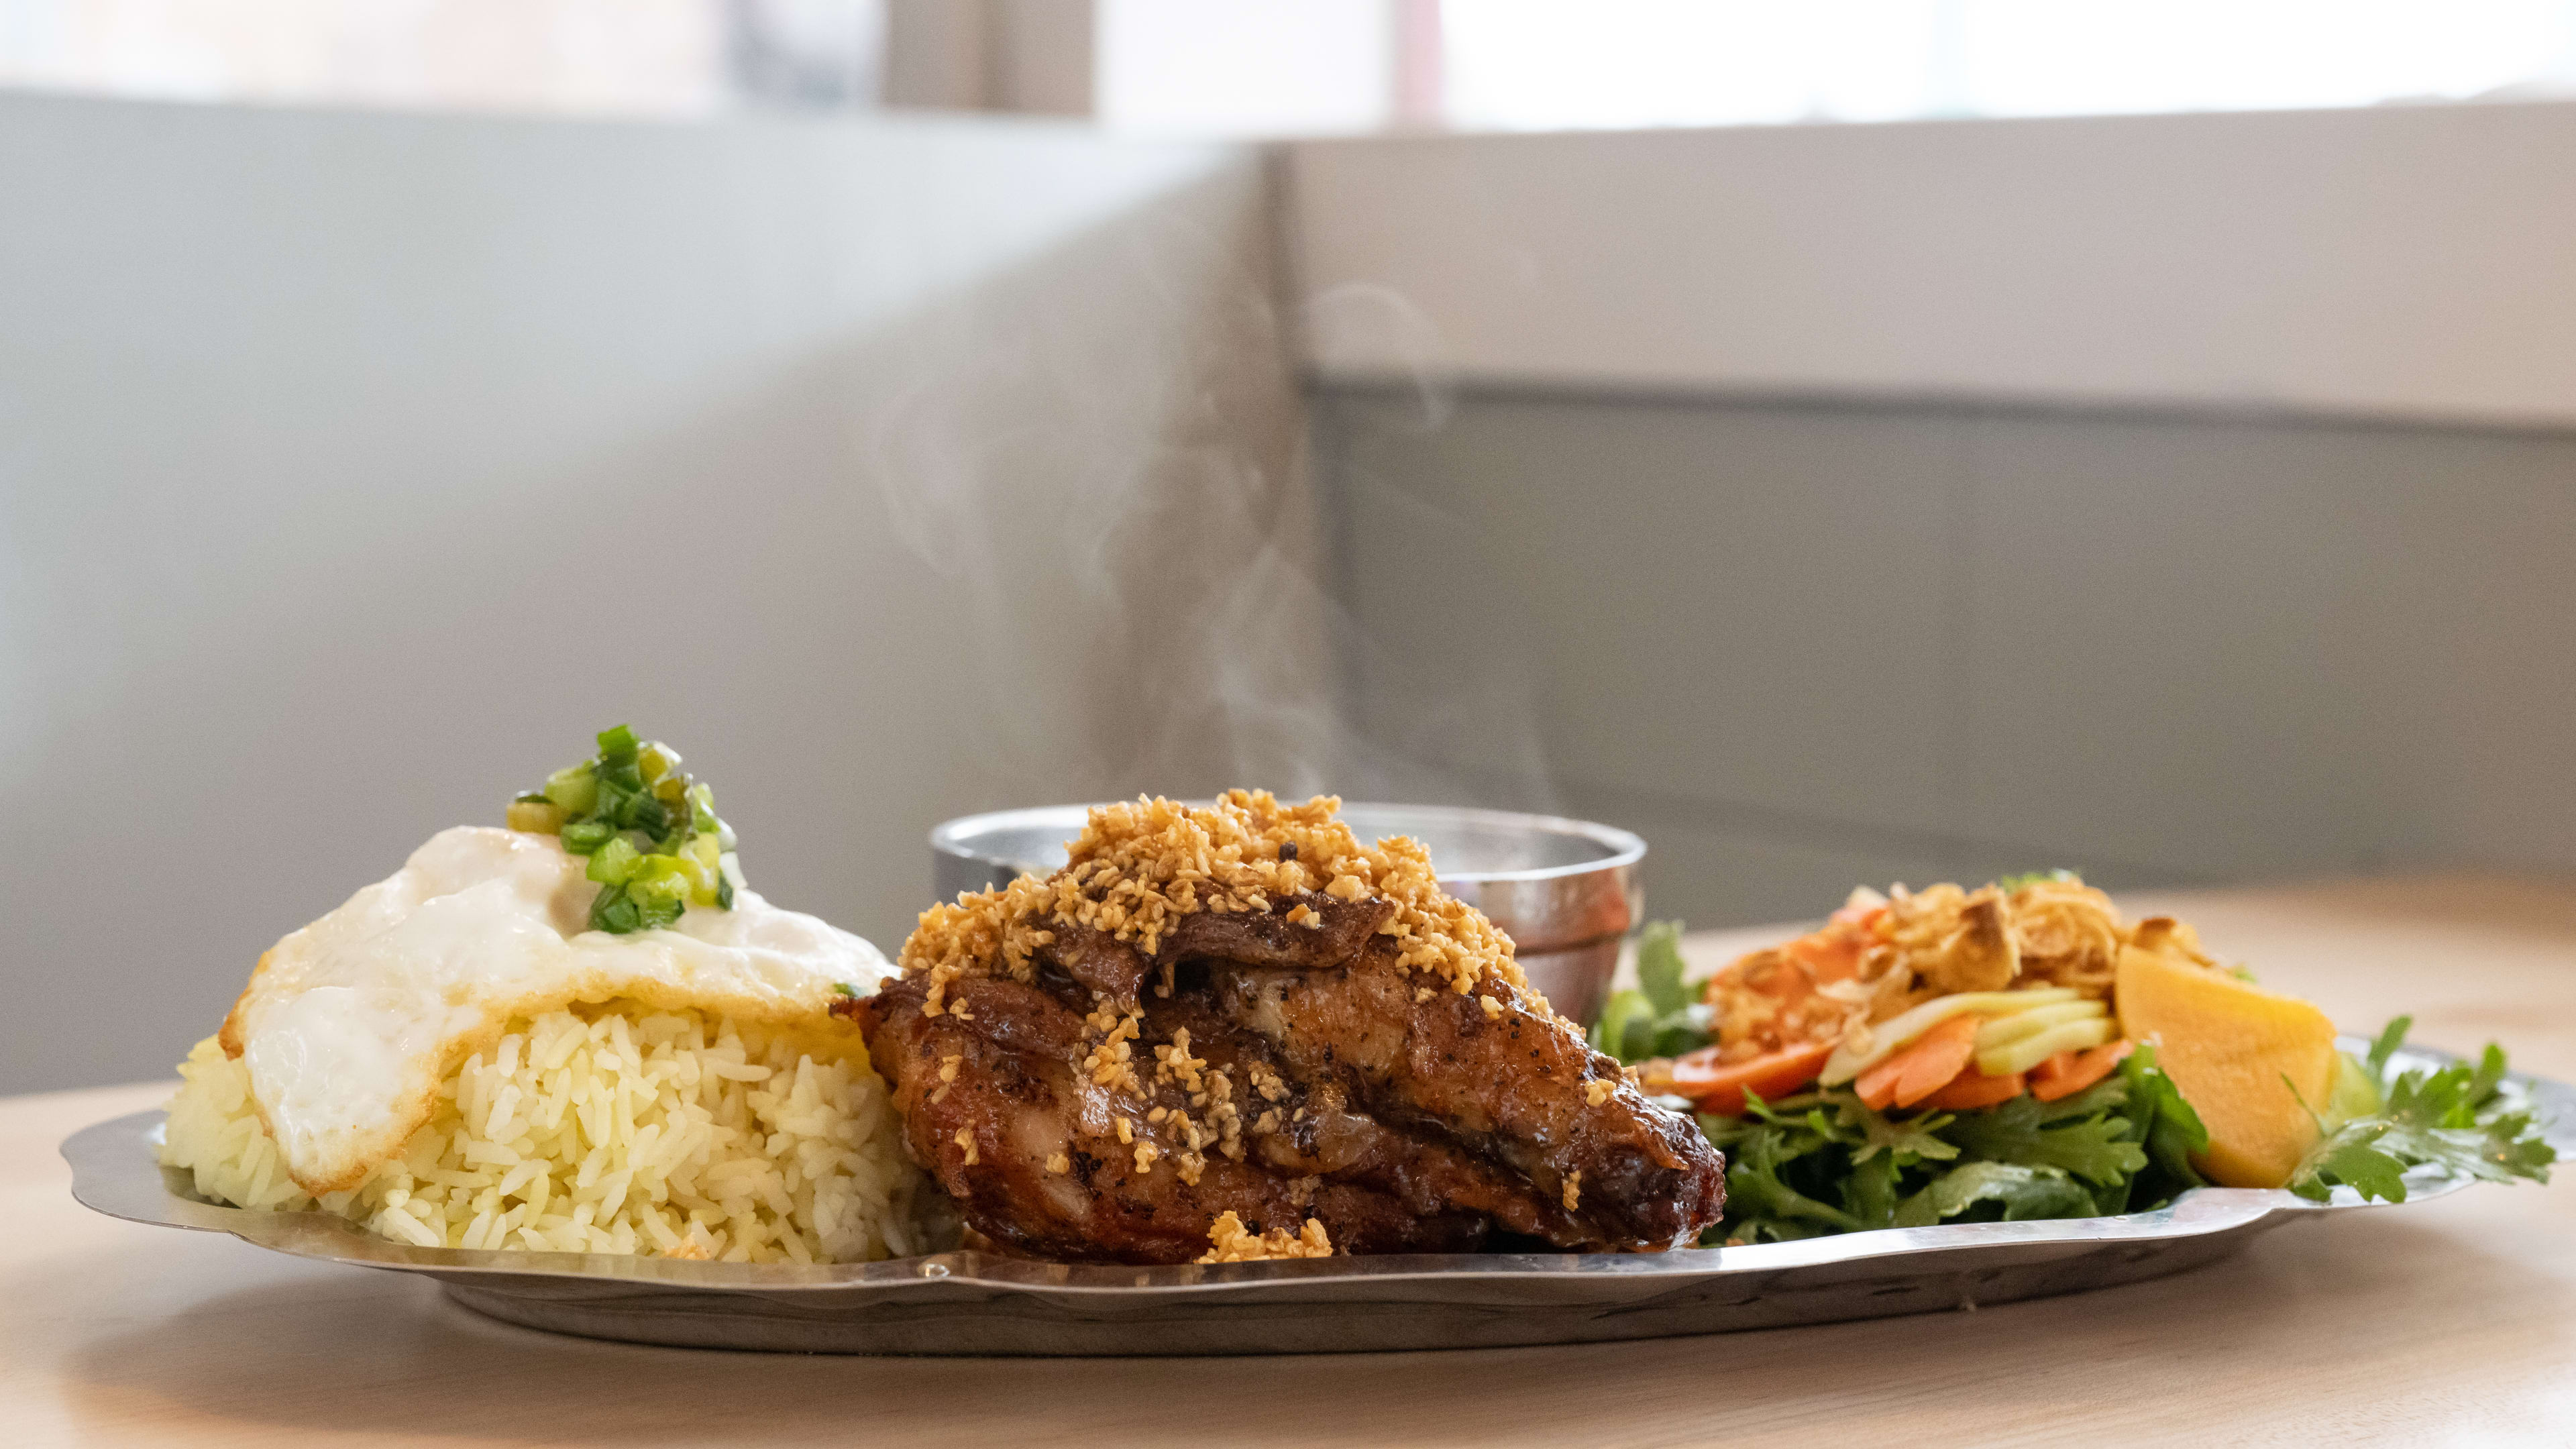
1626	847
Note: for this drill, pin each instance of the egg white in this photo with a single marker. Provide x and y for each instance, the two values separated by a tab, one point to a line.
349	1025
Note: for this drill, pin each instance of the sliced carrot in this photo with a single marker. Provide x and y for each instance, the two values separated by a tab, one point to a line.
1973	1089
2068	1073
1935	1057
2054	1070
1720	1087
1922	1066
1877	1086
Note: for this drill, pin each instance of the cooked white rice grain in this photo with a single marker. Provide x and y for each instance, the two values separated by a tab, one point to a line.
610	1129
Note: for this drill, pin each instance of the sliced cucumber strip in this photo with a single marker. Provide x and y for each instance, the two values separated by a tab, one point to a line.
2004	1029
2030	1051
1904	1027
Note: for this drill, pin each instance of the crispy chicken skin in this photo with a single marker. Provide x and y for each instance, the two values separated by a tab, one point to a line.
1280	1070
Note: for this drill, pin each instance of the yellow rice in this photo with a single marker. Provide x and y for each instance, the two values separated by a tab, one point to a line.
612	1129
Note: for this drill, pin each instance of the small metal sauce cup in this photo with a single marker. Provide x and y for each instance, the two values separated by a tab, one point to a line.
1565	891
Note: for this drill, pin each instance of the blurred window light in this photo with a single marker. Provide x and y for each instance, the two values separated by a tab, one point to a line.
1544	65
1304	67
634	57
1246	67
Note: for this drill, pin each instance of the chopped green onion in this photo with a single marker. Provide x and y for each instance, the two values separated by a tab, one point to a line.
610	804
643	812
540	816
656	760
660	897
614	913
615	863
701	879
661	871
575	788
655	842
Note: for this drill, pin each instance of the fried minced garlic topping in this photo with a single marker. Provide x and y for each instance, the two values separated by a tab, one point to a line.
1139	866
1230	1242
1882	954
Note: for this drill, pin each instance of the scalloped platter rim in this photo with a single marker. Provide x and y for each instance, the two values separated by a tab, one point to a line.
987	1304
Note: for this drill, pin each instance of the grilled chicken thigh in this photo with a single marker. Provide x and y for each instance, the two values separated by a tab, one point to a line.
1096	1074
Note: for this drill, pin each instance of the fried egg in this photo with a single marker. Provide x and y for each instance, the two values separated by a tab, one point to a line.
349	1025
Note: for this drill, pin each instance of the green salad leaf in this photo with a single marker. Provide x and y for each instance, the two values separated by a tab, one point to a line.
1659	967
1662	1016
1869	1194
1823	1161
2017	1192
2172	1132
1758	1173
2011	883
1909	1138
2465	1120
2079	1135
1807	1164
2391	1037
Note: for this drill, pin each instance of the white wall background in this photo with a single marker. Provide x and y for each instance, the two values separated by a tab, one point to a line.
353	469
1803	646
2411	262
2179	498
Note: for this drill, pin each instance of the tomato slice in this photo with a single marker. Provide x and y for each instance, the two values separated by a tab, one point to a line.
1720	1088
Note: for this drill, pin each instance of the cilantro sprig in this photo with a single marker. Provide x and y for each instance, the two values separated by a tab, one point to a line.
2465	1119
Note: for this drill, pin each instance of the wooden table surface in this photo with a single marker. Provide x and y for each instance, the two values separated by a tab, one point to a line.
2446	1322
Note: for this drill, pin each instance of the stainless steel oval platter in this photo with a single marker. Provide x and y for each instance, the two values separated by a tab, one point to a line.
978	1303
